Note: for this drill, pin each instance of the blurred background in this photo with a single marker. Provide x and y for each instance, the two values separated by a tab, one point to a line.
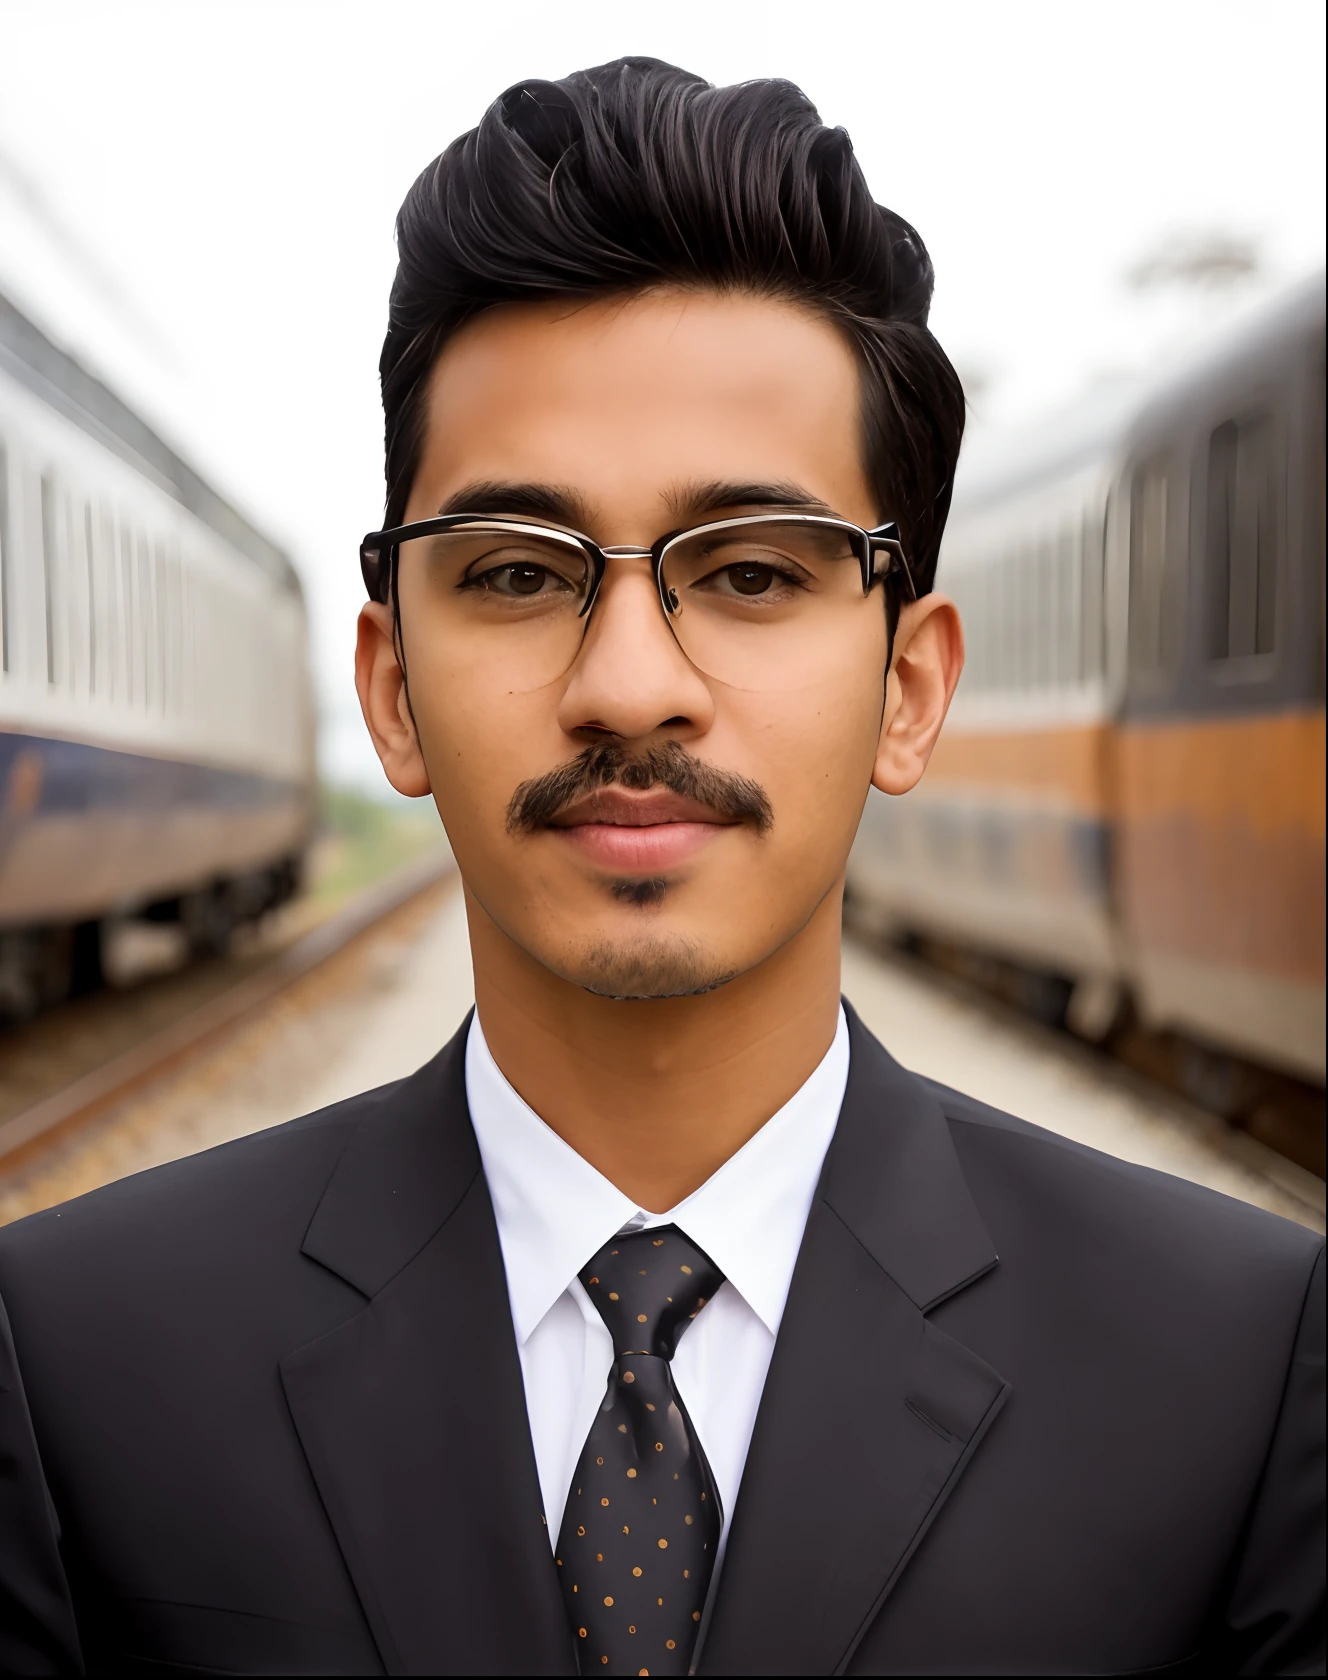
1122	839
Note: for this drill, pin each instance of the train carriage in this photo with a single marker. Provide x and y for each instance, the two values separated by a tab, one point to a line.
1129	793
156	723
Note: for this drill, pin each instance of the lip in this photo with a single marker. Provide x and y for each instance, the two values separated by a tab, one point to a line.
638	833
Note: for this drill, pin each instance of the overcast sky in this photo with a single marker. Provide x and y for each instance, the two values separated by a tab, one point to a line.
197	196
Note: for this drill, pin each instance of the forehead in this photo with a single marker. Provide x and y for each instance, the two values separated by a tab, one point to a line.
624	398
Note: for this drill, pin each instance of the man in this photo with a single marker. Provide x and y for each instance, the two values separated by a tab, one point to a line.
663	1323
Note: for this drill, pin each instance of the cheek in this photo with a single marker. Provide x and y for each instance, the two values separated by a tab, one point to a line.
814	744
832	703
483	745
478	741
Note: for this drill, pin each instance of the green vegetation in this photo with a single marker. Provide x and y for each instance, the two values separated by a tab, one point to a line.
361	839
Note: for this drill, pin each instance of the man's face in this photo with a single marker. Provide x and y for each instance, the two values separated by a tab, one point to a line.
627	419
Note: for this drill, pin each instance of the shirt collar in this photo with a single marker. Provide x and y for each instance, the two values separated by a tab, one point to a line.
554	1210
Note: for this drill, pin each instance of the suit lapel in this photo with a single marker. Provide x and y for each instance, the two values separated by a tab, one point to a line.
870	1414
412	1414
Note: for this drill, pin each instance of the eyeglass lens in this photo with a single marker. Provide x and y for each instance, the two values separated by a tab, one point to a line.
749	604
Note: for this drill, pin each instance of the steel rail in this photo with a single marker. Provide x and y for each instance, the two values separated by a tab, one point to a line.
103	1086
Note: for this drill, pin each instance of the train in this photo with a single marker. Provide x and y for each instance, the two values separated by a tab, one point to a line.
156	706
1127	799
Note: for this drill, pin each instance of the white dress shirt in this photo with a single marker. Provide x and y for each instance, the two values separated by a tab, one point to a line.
554	1211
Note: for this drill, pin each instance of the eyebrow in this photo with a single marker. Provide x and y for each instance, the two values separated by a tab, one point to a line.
557	503
687	500
560	504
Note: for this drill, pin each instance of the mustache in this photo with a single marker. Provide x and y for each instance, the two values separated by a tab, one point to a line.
736	798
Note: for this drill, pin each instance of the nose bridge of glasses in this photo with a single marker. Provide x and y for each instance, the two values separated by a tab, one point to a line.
625	551
620	635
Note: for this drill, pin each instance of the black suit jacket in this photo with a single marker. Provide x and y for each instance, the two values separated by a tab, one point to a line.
262	1412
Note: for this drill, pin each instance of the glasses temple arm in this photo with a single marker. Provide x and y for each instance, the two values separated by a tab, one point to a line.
887	537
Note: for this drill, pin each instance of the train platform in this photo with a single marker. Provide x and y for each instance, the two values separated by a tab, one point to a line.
379	1008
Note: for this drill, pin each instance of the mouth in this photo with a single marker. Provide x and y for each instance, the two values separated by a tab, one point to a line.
639	833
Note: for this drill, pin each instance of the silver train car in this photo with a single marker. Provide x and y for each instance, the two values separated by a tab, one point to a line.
1128	796
156	713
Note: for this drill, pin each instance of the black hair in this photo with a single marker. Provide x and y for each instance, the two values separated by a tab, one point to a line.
637	174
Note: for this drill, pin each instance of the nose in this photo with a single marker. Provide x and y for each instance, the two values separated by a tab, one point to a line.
631	679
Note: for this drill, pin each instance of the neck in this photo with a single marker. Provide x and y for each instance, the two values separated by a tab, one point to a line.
658	1094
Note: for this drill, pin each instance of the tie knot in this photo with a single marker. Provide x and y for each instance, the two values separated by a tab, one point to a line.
648	1287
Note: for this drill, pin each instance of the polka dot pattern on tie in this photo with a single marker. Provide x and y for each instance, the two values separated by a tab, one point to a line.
643	1518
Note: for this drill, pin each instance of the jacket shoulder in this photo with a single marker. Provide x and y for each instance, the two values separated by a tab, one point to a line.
264	1180
1060	1177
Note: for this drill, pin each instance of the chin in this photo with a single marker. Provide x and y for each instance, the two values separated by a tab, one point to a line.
648	967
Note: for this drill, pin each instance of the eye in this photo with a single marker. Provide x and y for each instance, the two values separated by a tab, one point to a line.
521	580
524	577
750	579
764	575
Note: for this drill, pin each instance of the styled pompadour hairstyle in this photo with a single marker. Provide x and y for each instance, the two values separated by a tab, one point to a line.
637	174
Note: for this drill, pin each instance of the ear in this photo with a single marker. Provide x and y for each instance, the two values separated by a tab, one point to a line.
928	657
381	685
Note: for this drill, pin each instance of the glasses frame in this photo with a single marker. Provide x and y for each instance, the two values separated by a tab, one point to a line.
869	545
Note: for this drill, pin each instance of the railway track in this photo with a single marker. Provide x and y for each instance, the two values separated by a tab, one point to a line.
65	1109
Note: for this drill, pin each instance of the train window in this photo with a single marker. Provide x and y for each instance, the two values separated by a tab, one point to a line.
1023	630
1026	628
168	611
1004	618
108	617
966	595
50	563
1242	539
6	559
188	658
130	620
1156	579
1006	621
1092	553
73	598
1051	612
1068	671
1044	630
160	611
991	599
986	582
147	633
90	564
1030	630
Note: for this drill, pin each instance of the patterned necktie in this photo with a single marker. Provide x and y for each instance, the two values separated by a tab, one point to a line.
643	1518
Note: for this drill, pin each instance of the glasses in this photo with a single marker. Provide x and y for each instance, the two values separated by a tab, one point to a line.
747	599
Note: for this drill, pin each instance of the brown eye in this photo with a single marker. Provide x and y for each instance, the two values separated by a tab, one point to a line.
750	580
526	580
